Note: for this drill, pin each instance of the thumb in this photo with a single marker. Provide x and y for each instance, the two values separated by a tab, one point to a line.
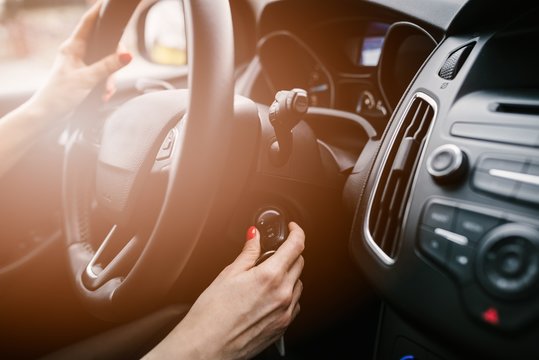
108	65
251	250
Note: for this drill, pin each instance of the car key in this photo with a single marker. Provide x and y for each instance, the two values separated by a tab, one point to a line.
273	229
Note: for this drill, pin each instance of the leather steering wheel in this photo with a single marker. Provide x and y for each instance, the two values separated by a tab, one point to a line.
178	137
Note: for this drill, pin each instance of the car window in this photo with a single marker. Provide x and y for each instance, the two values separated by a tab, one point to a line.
31	32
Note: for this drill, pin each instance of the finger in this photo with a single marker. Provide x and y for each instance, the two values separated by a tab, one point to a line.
107	66
293	309
290	250
251	251
86	24
295	271
296	293
296	311
110	89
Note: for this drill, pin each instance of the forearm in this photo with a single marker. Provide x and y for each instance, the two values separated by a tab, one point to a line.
178	344
18	132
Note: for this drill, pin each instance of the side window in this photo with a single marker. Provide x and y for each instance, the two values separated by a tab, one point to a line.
32	30
30	33
164	33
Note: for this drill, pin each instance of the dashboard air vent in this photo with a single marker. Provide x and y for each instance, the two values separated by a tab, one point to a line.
388	202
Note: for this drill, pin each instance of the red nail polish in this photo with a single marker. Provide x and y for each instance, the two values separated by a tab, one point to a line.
251	233
125	58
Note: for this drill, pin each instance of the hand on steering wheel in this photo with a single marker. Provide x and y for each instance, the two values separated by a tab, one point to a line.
71	79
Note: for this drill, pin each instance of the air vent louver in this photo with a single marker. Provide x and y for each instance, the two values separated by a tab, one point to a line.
388	204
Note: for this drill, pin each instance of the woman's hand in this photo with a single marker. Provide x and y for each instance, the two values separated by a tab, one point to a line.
71	79
245	309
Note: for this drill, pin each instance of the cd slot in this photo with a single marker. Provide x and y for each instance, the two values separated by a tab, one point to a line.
524	109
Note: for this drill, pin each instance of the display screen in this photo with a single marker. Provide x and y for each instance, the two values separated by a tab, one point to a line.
371	46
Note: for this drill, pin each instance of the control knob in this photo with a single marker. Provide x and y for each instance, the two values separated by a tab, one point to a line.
508	261
447	164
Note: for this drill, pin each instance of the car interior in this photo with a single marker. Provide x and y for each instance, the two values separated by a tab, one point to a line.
403	136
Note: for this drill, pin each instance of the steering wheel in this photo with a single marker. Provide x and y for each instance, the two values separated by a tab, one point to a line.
111	165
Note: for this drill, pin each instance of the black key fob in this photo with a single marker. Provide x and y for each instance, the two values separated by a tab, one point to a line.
273	228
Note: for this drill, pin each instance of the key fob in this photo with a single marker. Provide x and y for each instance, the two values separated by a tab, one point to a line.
273	228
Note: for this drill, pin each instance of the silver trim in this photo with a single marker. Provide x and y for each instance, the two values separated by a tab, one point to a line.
89	268
456	163
516	176
451	236
386	259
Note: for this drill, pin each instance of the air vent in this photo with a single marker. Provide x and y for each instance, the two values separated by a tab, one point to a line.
388	202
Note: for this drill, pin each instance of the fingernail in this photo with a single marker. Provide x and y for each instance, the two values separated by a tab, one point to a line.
251	233
125	58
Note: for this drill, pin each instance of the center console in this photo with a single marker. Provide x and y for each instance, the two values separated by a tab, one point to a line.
447	226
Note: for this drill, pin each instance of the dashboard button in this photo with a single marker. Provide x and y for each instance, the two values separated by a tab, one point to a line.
528	192
485	182
474	225
439	216
497	314
433	245
533	169
460	262
488	163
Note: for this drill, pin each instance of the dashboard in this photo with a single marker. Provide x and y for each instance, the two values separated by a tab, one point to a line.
444	197
447	222
337	63
416	163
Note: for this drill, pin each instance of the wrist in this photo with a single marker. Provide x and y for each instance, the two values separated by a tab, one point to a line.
180	343
39	110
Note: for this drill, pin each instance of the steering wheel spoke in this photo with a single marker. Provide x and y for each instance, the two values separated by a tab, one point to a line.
114	258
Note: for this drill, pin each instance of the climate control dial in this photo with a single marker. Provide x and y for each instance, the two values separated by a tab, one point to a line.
447	163
508	261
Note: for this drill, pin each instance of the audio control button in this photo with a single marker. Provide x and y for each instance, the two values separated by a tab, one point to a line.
486	182
438	215
460	262
474	225
492	162
433	245
528	191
